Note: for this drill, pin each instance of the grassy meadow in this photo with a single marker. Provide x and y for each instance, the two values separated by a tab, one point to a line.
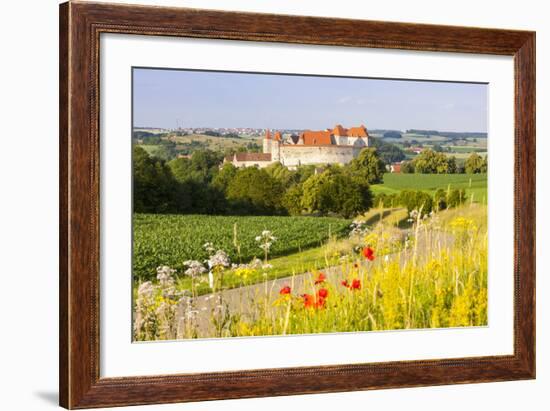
474	184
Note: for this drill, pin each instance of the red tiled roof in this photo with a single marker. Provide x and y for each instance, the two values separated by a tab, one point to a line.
316	138
339	131
360	131
268	134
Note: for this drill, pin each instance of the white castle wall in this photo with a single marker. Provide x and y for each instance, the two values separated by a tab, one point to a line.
292	156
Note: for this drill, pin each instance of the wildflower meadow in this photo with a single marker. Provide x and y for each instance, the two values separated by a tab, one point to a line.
427	270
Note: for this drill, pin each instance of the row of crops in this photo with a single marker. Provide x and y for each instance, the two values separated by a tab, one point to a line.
173	239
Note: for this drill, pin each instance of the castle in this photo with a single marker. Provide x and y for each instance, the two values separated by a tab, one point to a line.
331	146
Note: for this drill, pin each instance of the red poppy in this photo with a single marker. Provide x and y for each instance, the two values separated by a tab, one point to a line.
320	278
322	293
368	253
317	301
285	290
309	300
344	283
355	284
320	303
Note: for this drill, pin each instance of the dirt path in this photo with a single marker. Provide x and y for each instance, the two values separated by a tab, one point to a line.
242	299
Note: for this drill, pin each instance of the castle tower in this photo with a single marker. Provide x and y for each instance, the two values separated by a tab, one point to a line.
267	142
276	146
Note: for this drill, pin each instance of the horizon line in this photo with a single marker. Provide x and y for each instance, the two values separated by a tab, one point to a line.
295	128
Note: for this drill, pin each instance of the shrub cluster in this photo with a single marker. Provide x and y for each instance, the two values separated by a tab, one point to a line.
413	200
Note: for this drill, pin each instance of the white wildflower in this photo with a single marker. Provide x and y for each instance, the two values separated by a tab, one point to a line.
358	229
146	289
265	246
164	275
195	268
220	259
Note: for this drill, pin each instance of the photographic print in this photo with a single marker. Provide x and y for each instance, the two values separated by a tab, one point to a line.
280	204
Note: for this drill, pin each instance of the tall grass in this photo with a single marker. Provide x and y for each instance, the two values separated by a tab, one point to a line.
433	275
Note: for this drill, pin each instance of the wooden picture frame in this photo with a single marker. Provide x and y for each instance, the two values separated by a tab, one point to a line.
80	27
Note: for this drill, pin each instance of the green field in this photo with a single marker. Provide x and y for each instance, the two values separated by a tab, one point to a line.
173	239
467	149
475	184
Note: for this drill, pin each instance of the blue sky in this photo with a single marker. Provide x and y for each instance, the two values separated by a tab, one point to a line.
170	98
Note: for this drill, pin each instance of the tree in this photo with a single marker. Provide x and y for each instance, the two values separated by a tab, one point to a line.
416	200
281	173
456	197
336	191
369	166
353	195
155	188
317	194
440	199
386	200
205	163
392	134
253	190
452	167
389	153
303	172
407	167
196	179
437	148
224	177
292	199
181	168
207	199
430	162
475	164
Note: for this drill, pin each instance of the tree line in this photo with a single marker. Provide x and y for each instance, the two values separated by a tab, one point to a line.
201	184
433	162
420	200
